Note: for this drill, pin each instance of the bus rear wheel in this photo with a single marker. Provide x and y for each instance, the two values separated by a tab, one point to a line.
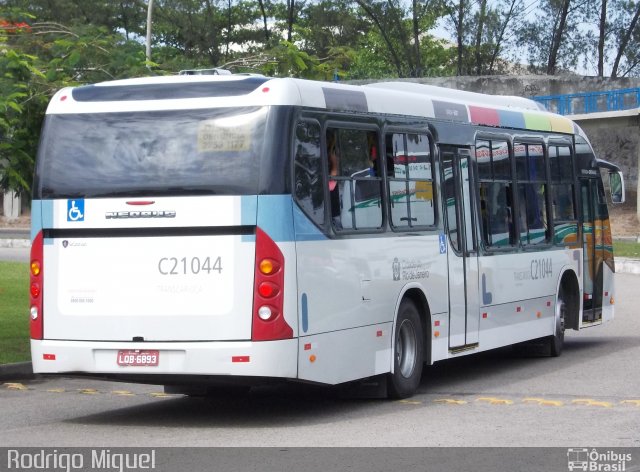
408	352
556	342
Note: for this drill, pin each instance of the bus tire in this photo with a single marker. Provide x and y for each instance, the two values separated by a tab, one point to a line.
408	352
556	341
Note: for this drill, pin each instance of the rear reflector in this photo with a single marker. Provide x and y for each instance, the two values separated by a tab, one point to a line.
36	287
268	293
241	359
49	357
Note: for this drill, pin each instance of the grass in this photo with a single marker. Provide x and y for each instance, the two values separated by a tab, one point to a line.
14	312
626	249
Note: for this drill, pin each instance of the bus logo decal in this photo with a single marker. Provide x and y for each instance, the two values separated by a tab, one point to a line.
396	269
75	210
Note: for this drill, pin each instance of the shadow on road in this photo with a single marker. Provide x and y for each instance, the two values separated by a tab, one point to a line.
290	404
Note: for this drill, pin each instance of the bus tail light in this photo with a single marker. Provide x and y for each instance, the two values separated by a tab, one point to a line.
35	289
268	292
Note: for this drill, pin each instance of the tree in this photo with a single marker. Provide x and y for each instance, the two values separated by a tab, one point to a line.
36	61
404	33
560	23
16	160
602	30
554	39
626	34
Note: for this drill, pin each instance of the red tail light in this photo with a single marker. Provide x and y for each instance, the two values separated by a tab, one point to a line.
36	286
268	293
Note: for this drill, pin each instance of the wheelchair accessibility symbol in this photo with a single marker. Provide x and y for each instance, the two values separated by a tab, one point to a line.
443	244
75	210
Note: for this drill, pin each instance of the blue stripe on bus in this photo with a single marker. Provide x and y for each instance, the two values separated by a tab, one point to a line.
248	211
275	217
279	217
305	230
305	312
511	119
41	216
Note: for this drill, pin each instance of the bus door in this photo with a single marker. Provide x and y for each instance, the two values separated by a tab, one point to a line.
593	248
464	320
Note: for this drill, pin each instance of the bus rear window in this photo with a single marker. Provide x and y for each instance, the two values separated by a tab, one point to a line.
176	152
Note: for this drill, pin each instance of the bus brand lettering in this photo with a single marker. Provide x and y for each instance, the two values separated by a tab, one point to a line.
541	269
117	215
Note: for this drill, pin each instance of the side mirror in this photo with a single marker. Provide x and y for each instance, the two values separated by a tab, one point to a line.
616	186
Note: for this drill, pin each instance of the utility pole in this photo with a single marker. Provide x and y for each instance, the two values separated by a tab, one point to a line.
149	10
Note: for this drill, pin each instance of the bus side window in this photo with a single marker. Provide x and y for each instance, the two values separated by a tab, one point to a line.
563	201
496	199
410	175
532	190
360	182
308	171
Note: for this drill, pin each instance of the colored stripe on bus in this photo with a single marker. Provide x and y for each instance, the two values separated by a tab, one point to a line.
511	119
560	124
537	122
484	116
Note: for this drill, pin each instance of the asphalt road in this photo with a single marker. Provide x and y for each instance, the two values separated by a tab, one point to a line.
590	396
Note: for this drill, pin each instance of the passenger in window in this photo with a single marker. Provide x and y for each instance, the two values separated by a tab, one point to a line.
334	170
372	144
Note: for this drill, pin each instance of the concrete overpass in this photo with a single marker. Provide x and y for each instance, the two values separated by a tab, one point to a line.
611	119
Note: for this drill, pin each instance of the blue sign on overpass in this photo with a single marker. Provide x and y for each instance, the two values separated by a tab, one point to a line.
591	102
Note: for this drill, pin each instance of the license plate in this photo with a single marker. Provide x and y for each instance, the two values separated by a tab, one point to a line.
138	357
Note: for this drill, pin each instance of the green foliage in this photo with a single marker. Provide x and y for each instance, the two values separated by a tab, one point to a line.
39	59
626	249
14	312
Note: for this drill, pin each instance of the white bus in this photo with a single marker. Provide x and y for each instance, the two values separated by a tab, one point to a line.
192	231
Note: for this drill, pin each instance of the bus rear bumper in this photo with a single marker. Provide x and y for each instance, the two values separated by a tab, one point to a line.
233	358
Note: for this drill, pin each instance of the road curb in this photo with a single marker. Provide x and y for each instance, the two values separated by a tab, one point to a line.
627	265
15	243
16	371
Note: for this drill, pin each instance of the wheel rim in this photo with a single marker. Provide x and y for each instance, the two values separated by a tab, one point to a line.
406	349
561	309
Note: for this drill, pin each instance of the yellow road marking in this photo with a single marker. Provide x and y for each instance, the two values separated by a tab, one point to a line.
542	401
410	402
450	401
56	390
88	391
631	402
494	401
161	394
533	400
123	393
551	403
15	386
591	402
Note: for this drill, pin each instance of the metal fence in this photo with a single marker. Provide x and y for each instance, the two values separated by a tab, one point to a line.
591	102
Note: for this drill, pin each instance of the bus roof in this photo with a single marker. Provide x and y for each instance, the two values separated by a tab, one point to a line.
397	98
